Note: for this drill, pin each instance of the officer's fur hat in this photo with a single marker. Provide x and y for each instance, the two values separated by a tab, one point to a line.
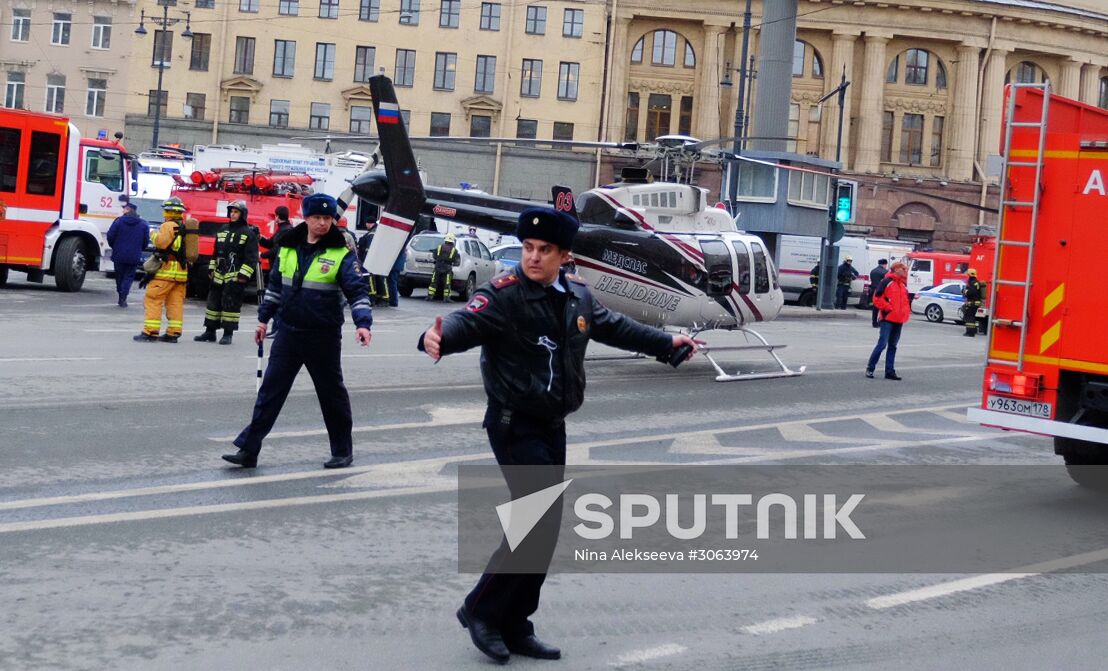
320	203
548	224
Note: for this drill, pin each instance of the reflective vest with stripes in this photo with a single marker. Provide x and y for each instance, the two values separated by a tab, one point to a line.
321	275
171	269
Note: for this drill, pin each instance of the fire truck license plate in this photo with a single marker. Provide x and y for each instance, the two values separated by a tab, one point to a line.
1017	407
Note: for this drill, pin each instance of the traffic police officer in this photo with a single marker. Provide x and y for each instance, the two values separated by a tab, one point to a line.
231	267
973	292
533	328
315	269
166	290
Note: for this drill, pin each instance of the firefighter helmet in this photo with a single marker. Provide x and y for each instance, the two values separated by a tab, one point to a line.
174	204
450	238
239	205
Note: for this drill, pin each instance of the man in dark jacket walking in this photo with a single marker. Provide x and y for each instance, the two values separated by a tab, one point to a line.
127	237
846	274
315	272
533	325
875	277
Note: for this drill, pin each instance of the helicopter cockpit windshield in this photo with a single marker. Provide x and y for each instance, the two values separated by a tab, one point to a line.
594	209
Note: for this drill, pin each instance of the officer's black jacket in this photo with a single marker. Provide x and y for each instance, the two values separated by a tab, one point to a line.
533	359
875	276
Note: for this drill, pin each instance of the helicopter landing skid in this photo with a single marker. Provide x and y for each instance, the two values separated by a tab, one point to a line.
762	344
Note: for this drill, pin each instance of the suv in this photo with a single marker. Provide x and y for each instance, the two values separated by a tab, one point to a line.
475	265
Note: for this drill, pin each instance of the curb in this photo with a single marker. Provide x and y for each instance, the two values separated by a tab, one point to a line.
792	312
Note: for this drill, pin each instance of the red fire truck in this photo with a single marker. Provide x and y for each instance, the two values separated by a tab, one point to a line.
1047	367
59	193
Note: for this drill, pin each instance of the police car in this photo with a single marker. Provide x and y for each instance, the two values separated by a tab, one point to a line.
939	302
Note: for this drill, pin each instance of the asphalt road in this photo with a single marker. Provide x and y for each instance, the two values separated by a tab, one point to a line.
126	543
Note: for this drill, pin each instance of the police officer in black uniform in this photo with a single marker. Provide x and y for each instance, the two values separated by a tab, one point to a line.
231	267
315	270
533	327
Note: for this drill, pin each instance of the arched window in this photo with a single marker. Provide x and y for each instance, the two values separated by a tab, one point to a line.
636	53
1026	73
690	55
917	66
1104	92
940	74
801	50
665	48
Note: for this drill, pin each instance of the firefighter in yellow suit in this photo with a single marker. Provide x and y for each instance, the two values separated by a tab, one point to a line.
167	288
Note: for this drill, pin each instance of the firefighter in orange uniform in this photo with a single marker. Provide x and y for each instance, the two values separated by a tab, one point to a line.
167	288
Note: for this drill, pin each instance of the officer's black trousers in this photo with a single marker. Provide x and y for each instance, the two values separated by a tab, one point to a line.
320	352
507	600
224	305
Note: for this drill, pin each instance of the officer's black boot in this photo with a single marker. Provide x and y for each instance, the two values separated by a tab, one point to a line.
485	637
531	646
242	458
227	335
207	336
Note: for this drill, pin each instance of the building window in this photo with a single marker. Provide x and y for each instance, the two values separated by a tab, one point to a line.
631	121
278	114
55	93
798	58
480	125
657	115
1027	73
409	12
937	141
369	10
690	55
440	124
404	74
530	84
446	66
757	182
911	139
101	32
62	25
195	106
201	51
563	131
527	129
363	63
361	118
328	9
21	25
809	189
916	67
485	81
536	20
665	48
406	117
288	7
887	121
163	48
569	75
894	71
156	103
244	55
684	121
940	74
794	127
240	110
636	52
450	12
324	61
1103	102
13	92
94	101
490	16
284	58
320	118
573	23
801	50
248	6
205	4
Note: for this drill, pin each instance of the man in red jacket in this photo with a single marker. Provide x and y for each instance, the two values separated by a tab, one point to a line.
891	300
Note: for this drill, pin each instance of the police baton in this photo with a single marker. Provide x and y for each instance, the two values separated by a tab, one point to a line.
261	343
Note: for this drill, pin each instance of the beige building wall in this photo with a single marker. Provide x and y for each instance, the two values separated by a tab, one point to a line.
391	31
48	68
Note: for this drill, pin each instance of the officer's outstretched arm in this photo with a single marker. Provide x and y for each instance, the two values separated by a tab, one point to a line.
617	330
483	320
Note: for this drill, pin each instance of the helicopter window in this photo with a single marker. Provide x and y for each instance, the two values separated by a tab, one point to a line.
742	265
636	199
718	263
593	209
761	272
653	200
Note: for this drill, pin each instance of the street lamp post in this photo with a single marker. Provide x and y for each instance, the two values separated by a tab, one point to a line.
823	290
165	22
740	114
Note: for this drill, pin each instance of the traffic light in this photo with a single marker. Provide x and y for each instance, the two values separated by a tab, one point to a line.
844	201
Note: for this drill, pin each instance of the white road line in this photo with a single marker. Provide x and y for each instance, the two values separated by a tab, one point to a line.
439	418
647	654
780	624
985	580
50	358
804	433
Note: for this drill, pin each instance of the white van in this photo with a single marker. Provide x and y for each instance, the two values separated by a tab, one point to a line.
796	254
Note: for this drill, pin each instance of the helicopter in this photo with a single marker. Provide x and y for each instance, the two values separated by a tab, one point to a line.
655	251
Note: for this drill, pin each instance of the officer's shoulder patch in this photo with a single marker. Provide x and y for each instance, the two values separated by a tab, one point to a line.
477	303
577	279
502	281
